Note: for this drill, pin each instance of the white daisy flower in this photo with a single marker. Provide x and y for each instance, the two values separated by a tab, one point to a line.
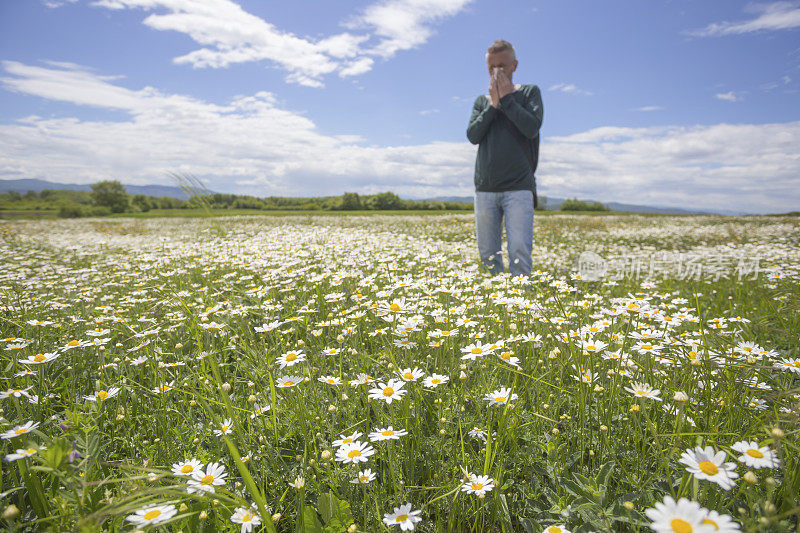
205	480
682	516
153	514
402	516
388	392
187	468
364	477
356	452
478	485
247	517
755	456
707	463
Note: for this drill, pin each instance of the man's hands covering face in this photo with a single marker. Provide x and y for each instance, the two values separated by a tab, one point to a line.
500	87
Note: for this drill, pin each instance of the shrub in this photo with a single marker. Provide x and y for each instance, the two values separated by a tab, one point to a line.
580	205
71	211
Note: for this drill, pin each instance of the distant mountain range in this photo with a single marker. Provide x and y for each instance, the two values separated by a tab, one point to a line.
24	185
554	204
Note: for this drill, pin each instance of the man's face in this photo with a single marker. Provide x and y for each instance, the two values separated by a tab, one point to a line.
502	60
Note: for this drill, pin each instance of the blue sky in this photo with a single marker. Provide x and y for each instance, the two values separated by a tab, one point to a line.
673	103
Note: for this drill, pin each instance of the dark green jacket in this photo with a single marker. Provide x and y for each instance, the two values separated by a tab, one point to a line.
501	165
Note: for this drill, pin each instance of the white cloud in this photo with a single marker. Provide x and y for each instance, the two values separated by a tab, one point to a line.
785	80
771	17
428	112
729	96
57	3
648	108
745	167
404	24
568	88
252	146
231	35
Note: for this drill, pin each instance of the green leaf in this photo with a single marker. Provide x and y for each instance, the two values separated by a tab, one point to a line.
335	513
605	473
310	523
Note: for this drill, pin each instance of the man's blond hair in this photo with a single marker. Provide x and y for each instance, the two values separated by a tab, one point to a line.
499	46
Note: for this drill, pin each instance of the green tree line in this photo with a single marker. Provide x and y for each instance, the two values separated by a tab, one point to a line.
110	196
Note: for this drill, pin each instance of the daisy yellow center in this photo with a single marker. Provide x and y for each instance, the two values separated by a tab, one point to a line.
20	431
436	381
387	433
207	479
331	380
747	349
446	332
291	357
554	529
394	307
364	479
73	343
39	358
795	363
347	441
388	391
150	515
102	395
477	486
408	375
506	356
31	450
591	347
353	453
680	526
476	350
401	518
647	346
692	354
225	428
186	469
641	392
707	467
500	399
247	517
755	453
288	383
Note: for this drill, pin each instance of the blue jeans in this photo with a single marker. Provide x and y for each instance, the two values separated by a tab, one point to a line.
517	207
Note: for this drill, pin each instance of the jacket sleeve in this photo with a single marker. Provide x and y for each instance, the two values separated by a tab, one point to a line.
480	120
527	117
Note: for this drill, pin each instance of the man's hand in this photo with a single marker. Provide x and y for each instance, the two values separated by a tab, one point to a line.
493	93
500	87
503	84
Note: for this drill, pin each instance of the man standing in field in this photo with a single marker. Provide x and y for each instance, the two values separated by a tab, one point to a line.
505	126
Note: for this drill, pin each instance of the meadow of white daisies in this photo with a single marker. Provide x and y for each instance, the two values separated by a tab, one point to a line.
362	373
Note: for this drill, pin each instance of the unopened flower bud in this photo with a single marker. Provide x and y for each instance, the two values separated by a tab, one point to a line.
777	433
10	512
628	506
226	386
750	477
680	396
276	517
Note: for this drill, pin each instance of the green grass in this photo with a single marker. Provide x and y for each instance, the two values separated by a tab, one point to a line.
181	300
